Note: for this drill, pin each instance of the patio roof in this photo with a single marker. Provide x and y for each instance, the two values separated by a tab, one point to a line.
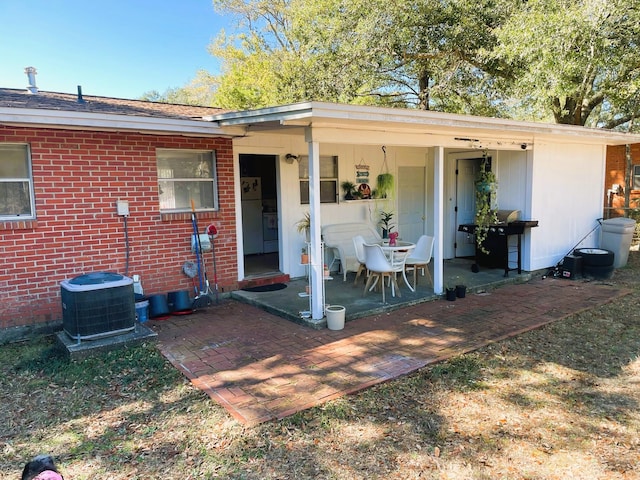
419	127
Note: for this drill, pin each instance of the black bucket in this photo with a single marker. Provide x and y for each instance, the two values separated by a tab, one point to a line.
179	301
158	306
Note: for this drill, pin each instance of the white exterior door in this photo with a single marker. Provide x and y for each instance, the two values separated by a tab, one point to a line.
411	202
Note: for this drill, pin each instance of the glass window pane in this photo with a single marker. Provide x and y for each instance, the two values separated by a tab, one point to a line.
328	191
328	167
636	177
14	161
178	194
15	198
196	165
186	175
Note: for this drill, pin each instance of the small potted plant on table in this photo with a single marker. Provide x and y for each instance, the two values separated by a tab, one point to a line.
385	222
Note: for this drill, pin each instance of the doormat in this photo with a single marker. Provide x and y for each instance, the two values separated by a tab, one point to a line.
266	288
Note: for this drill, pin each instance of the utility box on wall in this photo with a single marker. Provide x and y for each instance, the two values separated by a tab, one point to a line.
97	305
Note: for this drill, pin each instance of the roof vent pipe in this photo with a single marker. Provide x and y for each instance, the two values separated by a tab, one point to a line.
31	75
80	99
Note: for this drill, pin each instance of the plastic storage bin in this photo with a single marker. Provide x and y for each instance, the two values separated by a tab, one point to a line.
616	235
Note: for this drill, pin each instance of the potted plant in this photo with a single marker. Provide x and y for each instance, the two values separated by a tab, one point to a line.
485	195
304	225
304	256
348	189
385	222
385	185
459	285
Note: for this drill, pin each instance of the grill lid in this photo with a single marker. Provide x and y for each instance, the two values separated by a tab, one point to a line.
508	216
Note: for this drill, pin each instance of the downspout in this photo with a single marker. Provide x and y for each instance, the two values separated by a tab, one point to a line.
316	259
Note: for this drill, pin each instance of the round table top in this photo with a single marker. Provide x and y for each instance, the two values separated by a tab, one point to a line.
400	245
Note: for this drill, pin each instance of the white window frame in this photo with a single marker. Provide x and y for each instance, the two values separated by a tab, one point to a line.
325	178
28	180
636	177
166	180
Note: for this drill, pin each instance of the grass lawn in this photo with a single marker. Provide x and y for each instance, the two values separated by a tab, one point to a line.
557	403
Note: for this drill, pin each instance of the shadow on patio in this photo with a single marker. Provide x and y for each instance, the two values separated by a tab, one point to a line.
260	366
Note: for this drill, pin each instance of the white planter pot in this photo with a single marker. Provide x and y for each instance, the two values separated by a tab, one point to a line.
335	317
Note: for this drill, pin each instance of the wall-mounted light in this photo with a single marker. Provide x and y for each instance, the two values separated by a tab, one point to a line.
290	157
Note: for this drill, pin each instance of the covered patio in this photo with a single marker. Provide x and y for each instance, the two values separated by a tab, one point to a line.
434	158
288	303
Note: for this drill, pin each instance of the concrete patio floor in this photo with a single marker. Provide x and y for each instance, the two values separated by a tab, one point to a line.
288	303
260	366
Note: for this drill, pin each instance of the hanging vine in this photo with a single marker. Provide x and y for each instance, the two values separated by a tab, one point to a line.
485	194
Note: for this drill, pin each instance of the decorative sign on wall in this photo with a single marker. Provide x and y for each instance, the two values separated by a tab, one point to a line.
362	180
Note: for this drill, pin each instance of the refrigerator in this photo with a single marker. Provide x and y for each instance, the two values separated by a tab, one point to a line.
251	200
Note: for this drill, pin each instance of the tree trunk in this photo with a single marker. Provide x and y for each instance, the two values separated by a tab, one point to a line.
628	178
423	83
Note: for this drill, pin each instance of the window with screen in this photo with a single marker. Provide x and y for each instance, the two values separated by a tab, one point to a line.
16	186
636	177
186	175
328	179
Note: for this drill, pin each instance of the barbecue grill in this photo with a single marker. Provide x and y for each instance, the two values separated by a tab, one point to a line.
503	238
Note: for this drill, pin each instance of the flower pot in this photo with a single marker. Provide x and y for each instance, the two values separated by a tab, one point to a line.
461	291
485	187
451	294
304	258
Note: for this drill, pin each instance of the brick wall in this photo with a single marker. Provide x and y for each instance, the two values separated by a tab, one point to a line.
78	176
615	173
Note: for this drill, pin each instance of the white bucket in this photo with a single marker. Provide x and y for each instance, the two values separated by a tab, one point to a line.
335	317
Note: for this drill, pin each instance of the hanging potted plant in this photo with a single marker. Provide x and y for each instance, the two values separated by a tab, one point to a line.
385	182
385	223
348	189
385	185
485	195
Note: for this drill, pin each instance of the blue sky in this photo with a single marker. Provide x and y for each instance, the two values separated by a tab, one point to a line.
113	48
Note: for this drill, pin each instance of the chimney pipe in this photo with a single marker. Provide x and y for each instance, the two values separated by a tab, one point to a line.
31	75
80	99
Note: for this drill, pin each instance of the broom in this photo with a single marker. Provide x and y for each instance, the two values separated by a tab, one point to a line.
202	299
212	231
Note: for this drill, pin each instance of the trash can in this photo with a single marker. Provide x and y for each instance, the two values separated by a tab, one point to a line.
335	317
616	235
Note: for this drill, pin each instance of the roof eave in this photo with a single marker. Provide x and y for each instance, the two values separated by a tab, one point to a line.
316	113
111	122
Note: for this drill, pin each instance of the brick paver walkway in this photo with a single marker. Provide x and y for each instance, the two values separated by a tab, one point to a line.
262	367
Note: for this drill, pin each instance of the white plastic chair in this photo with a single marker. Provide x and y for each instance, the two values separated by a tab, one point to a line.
358	243
379	268
420	257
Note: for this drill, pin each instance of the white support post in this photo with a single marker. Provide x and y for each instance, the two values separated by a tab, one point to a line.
317	261
438	202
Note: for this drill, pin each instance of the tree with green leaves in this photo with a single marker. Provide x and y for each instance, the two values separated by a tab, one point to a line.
577	61
567	61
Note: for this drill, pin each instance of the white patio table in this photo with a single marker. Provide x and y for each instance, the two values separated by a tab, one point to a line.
397	254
